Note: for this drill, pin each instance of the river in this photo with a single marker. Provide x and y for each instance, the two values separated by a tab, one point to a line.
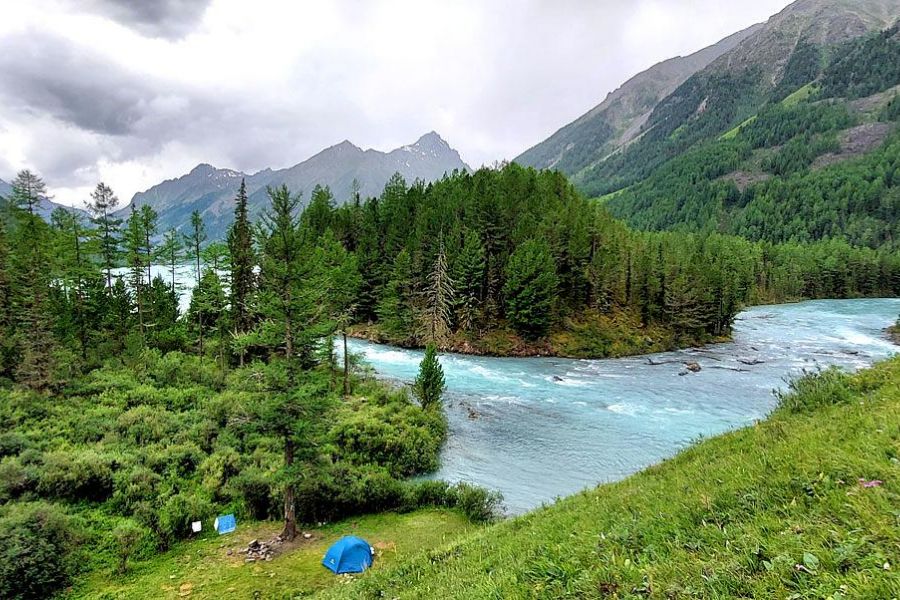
540	428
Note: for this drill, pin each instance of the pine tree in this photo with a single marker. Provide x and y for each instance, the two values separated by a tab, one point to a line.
102	206
149	223
284	301
243	260
429	385
395	308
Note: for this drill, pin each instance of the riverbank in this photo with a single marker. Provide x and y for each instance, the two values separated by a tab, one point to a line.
801	504
894	332
588	335
215	567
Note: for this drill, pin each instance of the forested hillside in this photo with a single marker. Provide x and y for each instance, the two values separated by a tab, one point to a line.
820	163
787	136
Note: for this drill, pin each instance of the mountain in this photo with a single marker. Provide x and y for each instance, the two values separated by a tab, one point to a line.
5	188
618	119
211	190
783	137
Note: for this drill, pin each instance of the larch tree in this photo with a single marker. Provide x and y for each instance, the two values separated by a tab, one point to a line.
194	240
102	206
32	283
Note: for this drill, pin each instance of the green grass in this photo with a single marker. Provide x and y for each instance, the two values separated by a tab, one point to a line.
731	134
202	568
800	95
774	510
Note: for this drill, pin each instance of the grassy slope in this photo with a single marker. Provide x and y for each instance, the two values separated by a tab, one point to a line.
770	511
202	568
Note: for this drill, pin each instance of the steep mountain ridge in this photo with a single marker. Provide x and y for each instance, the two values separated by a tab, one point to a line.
211	190
619	118
768	60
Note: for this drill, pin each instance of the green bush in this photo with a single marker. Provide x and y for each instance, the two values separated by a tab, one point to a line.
814	390
133	486
477	503
16	478
37	551
76	475
177	513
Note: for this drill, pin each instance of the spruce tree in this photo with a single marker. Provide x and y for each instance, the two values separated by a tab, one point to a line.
134	240
170	251
468	275
530	288
429	385
243	260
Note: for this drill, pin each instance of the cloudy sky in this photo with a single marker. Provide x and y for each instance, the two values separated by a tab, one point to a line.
134	92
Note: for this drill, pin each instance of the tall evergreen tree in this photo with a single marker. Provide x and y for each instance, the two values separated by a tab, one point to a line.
530	288
102	206
429	385
243	261
150	225
439	298
134	239
170	251
194	240
33	278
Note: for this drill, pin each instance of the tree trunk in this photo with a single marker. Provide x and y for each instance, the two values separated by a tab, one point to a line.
290	516
346	367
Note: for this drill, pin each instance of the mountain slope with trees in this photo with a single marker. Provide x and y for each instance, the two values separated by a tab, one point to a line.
772	139
619	118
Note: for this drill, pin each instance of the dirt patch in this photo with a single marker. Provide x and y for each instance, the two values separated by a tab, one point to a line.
744	179
874	103
855	142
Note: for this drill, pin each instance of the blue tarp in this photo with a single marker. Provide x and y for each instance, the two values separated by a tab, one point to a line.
225	524
349	554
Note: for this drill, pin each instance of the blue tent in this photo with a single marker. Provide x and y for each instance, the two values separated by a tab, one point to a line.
349	554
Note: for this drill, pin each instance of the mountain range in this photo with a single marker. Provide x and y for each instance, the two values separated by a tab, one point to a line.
211	190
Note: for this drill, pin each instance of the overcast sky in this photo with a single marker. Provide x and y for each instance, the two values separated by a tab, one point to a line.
134	92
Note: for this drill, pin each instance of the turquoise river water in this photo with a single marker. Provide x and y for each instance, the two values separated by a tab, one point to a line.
540	428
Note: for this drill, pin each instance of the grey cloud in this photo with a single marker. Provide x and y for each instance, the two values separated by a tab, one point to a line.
44	74
170	19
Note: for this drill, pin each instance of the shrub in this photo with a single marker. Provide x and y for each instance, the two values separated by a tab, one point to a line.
136	485
814	390
76	475
16	478
477	503
128	537
177	513
12	443
37	544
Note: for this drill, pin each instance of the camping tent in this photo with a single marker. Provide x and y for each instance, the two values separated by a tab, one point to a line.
349	554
